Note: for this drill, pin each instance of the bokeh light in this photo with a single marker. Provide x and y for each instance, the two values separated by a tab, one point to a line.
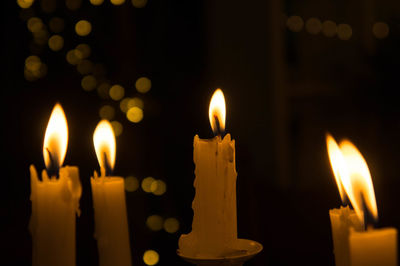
344	32
102	90
139	3
295	23
128	103
83	28
158	187
56	24
41	36
34	68
154	222
117	127
32	63
313	26
380	30
329	28
151	257
72	58
96	2
85	67
143	84
25	3
56	42
35	24
82	51
107	112
171	225
117	2
134	114
89	83
131	183
146	184
73	4
117	92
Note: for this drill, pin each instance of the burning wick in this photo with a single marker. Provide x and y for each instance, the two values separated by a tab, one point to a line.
218	131
53	166
107	167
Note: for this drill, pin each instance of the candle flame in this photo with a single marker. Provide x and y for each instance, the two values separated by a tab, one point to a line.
55	139
217	112
104	144
353	177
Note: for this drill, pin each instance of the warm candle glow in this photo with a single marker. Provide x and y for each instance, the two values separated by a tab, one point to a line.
56	139
104	144
337	163
359	188
216	112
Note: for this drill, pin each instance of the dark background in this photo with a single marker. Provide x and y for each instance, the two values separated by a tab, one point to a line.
284	90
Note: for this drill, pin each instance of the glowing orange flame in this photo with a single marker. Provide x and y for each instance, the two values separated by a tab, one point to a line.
352	174
104	144
217	112
56	138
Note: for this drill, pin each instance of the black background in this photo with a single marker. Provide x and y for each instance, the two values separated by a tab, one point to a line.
284	91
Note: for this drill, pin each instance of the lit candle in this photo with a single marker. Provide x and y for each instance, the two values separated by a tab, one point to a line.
356	242
111	222
214	229
55	199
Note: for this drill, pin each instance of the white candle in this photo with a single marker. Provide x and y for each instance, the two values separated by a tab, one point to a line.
353	245
214	228
111	222
55	200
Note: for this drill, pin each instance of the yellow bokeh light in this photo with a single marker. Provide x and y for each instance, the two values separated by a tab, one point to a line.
73	4
151	257
25	3
102	90
117	127
72	58
313	26
35	24
171	225
56	42
96	2
154	222
117	92
117	2
85	67
344	32
158	187
131	183
134	114
32	63
380	30
295	23
89	83
329	28
82	51
41	37
107	112
56	24
143	84
128	103
139	3
83	28
146	184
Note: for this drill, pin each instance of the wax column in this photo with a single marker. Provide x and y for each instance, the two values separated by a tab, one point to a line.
214	226
55	199
365	246
111	222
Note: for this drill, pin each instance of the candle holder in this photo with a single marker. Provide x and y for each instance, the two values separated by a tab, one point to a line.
246	249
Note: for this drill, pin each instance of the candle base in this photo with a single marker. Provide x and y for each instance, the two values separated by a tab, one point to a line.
246	249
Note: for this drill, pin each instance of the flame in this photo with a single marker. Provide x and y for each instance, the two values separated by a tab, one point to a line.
55	139
337	163
359	187
104	144
217	112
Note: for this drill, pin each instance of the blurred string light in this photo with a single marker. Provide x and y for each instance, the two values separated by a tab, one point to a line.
72	58
380	30
344	32
134	114
313	26
34	68
171	225
139	3
88	83
82	51
128	103
117	2
56	42
158	187
146	184
34	24
83	27
295	23
151	257
107	112
85	67
131	183
25	3
117	127
117	92
329	28
155	222
143	84
96	2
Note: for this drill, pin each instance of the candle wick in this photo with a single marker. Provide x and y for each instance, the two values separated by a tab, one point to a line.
368	218
53	166
107	166
218	131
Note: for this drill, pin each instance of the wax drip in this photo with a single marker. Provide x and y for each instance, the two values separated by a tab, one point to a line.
107	167
53	169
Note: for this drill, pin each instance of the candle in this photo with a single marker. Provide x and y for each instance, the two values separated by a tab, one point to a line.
214	229
55	199
356	241
111	222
